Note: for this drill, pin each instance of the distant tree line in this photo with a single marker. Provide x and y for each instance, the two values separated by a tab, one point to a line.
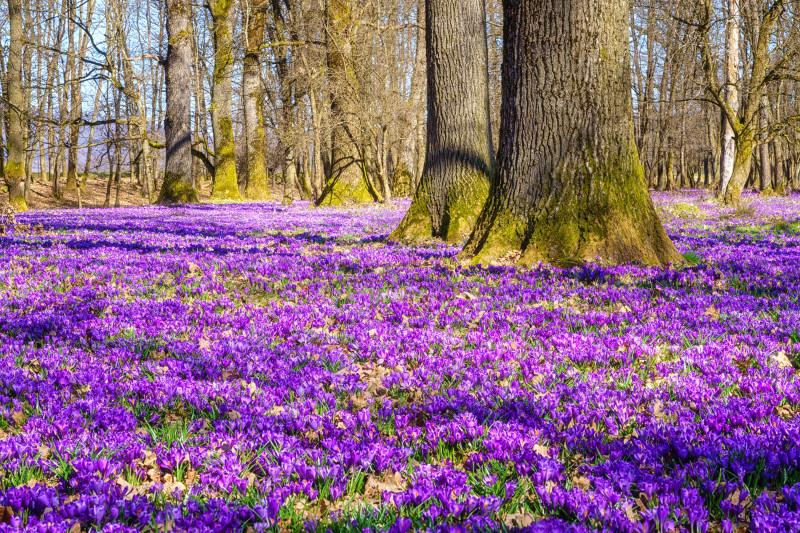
528	128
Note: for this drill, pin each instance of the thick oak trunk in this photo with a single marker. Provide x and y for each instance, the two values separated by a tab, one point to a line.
178	183
459	158
226	184
14	171
570	186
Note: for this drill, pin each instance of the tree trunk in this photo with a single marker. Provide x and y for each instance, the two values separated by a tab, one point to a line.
764	159
107	202
316	126
459	160
257	187
728	153
90	140
670	171
289	175
178	184
226	184
570	186
14	171
346	182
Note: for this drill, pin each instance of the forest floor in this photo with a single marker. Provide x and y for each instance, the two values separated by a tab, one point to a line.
252	367
93	194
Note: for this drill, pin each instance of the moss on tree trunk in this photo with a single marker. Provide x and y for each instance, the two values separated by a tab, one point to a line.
570	186
178	186
226	185
14	172
257	185
459	159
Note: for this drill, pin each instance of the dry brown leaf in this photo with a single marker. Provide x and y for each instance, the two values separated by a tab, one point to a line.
6	514
630	513
388	482
582	483
544	451
149	459
519	520
782	360
712	313
18	417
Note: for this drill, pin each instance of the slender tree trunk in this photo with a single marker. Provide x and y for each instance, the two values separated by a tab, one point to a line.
306	181
91	138
226	184
765	163
728	153
289	175
346	182
118	176
178	184
459	156
316	124
14	171
107	202
383	167
670	171
257	187
570	186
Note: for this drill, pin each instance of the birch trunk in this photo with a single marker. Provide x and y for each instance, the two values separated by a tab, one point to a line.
728	151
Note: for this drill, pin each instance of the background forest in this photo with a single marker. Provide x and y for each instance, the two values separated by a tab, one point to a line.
289	77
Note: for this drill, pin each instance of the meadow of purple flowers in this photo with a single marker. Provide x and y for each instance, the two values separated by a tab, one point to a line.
251	367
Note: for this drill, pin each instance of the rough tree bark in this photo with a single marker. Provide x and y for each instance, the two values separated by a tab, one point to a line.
226	185
459	158
570	186
346	182
257	187
14	171
178	183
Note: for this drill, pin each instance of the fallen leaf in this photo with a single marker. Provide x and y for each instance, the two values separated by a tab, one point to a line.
712	313
18	418
782	360
6	514
582	483
544	451
519	520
